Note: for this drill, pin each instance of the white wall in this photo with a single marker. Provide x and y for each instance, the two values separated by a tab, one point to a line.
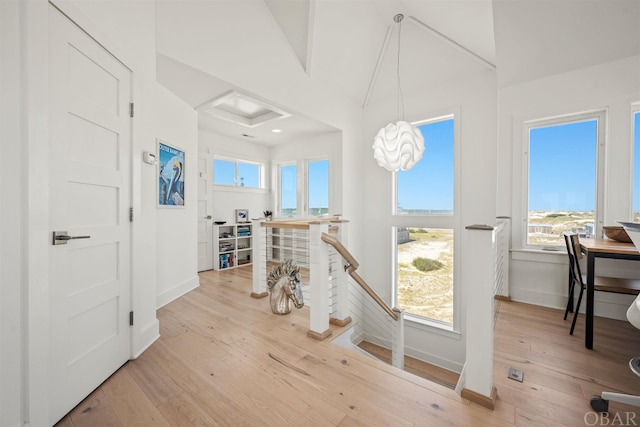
538	277
176	124
227	200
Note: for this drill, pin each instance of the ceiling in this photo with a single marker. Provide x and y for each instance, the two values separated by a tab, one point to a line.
351	47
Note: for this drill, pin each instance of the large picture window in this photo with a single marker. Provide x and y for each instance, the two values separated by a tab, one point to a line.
563	178
424	229
427	188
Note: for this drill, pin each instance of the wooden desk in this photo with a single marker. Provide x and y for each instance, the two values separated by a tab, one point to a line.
601	248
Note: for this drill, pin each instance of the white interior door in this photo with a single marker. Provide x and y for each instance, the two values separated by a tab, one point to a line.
205	209
89	197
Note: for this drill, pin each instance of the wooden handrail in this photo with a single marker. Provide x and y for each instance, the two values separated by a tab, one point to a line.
351	268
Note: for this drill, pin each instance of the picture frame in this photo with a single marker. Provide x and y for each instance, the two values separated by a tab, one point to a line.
242	216
171	166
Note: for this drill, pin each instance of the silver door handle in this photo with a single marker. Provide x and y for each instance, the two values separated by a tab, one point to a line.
61	237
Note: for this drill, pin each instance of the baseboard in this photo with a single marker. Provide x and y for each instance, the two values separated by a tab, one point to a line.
609	305
143	340
177	291
417	354
480	399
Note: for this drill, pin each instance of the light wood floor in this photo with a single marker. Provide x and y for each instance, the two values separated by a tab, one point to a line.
224	359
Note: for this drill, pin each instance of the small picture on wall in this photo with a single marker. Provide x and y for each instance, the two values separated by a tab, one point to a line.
170	176
242	215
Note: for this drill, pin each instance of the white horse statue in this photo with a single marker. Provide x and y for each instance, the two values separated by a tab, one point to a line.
284	288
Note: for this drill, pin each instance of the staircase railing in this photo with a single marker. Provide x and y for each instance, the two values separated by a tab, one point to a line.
328	292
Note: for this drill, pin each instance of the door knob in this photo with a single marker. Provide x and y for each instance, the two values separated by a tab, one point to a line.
208	217
61	237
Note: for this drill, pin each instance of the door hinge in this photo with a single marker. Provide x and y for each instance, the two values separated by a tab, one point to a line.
131	318
130	214
131	109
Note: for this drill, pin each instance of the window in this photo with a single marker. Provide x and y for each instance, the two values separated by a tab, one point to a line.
563	176
424	242
288	190
425	272
427	188
237	173
636	165
318	187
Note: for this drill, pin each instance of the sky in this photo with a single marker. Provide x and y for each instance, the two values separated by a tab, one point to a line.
429	184
562	167
562	170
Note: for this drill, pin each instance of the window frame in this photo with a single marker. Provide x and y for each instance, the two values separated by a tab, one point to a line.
435	119
441	221
306	210
635	111
236	162
279	167
601	118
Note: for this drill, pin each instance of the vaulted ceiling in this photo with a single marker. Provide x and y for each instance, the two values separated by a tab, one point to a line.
352	45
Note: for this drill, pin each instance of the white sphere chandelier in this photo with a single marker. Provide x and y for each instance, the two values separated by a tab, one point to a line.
400	145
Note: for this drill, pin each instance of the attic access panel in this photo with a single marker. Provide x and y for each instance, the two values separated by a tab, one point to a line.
242	109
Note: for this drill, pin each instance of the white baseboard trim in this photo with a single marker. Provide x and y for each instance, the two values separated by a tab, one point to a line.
146	336
610	305
177	291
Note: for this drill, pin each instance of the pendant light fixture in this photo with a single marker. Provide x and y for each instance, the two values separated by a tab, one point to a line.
399	145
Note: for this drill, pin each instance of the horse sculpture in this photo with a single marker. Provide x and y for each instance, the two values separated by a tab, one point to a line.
284	288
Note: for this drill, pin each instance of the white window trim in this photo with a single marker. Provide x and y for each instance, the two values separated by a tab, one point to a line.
635	109
434	221
602	123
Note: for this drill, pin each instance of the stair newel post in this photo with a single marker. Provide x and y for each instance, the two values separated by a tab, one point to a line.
478	278
319	282
259	260
397	340
341	316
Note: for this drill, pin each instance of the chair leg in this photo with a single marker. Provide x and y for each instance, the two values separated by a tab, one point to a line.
575	313
572	285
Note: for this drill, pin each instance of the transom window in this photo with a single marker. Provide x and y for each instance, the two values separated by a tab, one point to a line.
237	173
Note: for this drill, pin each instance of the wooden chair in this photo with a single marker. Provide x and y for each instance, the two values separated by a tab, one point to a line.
600	283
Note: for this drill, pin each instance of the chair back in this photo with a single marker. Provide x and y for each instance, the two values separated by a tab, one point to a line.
572	241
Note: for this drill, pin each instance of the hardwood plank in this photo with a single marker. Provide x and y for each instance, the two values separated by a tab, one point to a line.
129	402
224	359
